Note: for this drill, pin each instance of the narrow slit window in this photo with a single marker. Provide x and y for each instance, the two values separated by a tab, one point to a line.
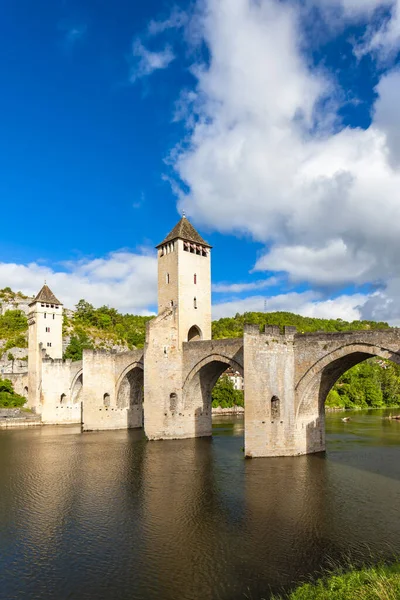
195	302
195	279
275	408
167	278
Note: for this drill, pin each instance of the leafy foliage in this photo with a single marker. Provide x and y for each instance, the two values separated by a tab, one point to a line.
225	395
373	383
8	398
76	346
101	327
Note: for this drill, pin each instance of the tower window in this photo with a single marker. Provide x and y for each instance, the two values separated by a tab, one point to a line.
45	315
47	329
49	344
195	279
195	302
54	316
172	303
167	278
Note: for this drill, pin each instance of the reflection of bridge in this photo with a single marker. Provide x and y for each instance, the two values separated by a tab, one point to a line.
287	375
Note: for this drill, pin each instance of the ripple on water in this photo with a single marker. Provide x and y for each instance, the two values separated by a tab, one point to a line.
107	515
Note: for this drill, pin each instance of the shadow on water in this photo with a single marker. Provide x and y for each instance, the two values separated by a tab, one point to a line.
109	515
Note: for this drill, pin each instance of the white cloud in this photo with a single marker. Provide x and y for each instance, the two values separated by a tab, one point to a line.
146	62
238	288
122	280
310	264
262	158
381	19
176	20
308	304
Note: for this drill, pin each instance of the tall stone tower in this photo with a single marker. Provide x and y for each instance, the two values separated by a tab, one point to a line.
184	281
184	315
45	321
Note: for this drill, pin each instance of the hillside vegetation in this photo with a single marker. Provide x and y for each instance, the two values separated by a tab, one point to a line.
233	326
102	327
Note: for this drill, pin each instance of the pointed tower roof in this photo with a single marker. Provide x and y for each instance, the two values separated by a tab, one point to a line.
46	296
184	230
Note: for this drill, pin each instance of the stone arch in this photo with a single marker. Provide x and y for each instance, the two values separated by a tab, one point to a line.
197	392
314	386
76	377
205	374
26	391
106	400
129	388
76	388
194	334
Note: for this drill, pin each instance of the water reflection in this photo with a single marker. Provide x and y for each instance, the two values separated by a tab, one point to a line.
108	515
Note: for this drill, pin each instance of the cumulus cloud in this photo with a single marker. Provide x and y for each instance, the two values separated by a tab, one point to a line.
308	304
145	62
122	280
267	156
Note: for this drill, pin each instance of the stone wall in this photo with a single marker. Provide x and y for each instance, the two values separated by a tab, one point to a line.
269	364
104	375
59	405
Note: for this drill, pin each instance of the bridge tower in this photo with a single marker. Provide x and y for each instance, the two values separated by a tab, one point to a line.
184	317
184	281
45	321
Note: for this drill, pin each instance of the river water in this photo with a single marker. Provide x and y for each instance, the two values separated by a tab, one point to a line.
109	516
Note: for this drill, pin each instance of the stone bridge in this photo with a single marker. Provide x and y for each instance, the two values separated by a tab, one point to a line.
287	379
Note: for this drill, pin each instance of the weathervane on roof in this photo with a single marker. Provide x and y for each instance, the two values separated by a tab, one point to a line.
183	214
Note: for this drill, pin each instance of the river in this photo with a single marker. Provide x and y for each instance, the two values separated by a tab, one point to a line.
110	516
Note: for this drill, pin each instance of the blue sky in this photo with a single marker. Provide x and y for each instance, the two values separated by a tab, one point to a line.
274	125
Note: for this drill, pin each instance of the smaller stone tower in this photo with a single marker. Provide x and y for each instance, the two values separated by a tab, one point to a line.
184	281
45	321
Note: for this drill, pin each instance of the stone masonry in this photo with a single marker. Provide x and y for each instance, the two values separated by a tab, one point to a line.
166	388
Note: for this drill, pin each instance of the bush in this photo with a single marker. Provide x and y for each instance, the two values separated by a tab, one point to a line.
11	400
8	398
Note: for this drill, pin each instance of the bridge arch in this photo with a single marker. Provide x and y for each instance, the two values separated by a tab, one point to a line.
129	392
316	383
203	376
76	386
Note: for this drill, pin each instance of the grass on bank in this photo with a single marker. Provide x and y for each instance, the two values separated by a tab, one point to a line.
381	582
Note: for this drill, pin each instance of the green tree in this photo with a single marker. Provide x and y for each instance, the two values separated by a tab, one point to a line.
77	344
225	395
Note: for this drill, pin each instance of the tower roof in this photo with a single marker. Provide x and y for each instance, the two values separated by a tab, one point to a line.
46	296
184	230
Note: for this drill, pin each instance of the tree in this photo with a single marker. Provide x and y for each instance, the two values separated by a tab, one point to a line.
225	395
77	344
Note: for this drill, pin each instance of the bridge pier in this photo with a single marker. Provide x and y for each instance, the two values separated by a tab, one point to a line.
269	371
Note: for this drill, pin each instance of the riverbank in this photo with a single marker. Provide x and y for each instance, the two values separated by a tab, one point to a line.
369	583
231	410
15	417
